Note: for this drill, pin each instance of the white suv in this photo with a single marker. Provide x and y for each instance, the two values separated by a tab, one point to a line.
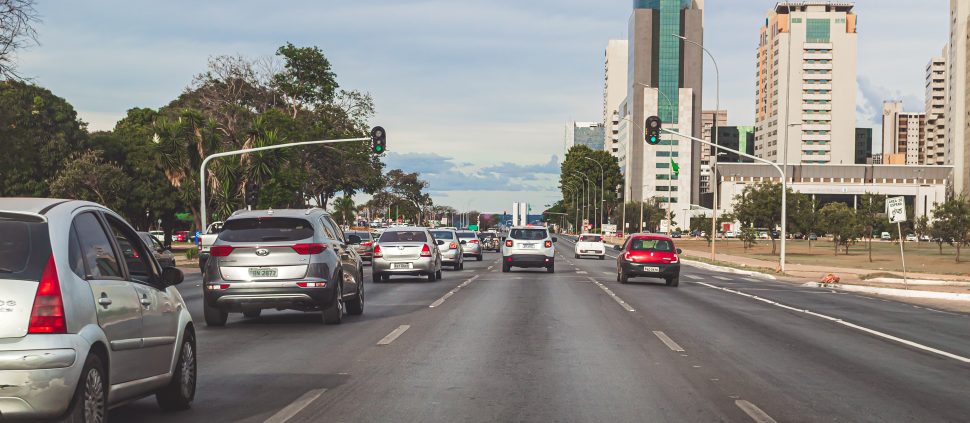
590	245
529	246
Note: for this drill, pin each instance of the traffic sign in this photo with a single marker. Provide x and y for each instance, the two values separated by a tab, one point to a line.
896	209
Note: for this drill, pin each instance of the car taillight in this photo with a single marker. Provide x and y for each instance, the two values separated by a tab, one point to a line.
220	250
218	287
311	284
377	251
453	246
425	251
473	241
307	249
628	256
47	314
508	243
548	244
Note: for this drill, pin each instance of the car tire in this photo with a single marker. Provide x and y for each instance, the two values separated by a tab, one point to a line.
385	277
334	314
356	306
214	316
437	274
431	276
577	256
674	281
456	266
603	257
479	257
551	268
623	277
252	314
90	402
506	268
180	391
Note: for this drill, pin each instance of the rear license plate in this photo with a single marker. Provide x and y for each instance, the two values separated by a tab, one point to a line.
528	245
400	265
653	269
263	272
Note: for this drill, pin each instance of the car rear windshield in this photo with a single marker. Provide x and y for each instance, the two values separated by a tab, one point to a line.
442	234
528	234
24	247
364	236
590	238
661	245
467	235
266	229
403	236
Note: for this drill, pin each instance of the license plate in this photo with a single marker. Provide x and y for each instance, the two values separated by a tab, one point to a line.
400	265
653	269
528	245
263	272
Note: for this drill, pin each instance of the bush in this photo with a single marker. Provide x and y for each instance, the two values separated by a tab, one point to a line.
192	253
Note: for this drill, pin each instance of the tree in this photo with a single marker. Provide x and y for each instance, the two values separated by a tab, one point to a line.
748	236
344	210
840	221
870	212
759	206
652	215
87	176
595	165
922	226
17	18
953	222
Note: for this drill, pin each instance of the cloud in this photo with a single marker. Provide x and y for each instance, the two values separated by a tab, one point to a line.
445	174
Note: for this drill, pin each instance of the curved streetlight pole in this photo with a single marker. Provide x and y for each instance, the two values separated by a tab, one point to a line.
575	201
717	111
587	182
599	215
580	207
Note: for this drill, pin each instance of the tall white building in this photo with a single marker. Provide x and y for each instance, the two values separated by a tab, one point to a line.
957	137
936	110
614	92
806	93
903	135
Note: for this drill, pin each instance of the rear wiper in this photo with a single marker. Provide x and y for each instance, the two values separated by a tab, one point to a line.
5	270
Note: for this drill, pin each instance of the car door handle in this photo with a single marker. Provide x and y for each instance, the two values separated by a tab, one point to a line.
145	301
104	301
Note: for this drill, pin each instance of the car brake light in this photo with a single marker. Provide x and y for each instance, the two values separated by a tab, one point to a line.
548	244
473	241
628	256
311	284
47	314
425	251
377	251
453	246
508	243
220	250
307	249
218	287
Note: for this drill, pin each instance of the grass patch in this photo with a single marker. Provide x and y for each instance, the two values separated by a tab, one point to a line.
870	276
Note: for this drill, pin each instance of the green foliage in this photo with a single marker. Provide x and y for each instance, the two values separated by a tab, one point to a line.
653	213
192	253
748	236
953	223
86	176
596	166
842	223
344	210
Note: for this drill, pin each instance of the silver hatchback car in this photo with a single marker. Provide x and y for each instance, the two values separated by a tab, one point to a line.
448	241
470	244
406	251
88	318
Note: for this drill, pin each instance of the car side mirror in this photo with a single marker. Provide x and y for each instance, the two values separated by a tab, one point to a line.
354	239
555	239
679	251
172	276
440	242
617	248
464	242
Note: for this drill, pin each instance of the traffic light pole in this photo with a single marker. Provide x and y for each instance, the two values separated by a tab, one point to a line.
202	175
784	185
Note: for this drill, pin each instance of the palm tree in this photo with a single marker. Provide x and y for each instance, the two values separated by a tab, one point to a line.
344	210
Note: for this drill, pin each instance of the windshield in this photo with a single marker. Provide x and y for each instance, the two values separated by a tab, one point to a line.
467	235
528	234
590	238
24	248
364	236
266	230
660	245
443	234
403	236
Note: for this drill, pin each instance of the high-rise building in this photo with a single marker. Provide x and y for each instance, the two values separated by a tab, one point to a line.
664	78
614	92
739	138
958	100
590	134
806	83
903	133
707	124
936	110
863	145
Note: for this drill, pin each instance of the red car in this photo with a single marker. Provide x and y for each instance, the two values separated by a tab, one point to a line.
180	236
648	255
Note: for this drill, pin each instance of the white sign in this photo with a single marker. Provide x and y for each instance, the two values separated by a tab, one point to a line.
663	225
896	209
609	228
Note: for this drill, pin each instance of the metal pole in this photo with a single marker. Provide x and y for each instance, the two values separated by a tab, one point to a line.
902	254
205	162
602	199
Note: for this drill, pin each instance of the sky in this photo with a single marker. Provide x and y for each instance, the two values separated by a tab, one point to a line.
474	95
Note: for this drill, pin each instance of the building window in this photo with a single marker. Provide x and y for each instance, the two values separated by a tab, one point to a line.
818	30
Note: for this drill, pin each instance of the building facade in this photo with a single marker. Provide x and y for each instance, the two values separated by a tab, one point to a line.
935	110
958	100
590	134
903	133
863	145
614	92
739	138
707	126
806	83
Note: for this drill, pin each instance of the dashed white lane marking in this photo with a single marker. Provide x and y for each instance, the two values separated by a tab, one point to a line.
723	278
296	406
668	342
612	295
394	334
694	277
490	267
441	300
581	272
754	412
847	324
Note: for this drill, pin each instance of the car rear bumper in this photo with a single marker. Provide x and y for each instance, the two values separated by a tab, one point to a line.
38	381
246	297
450	256
590	252
421	266
529	260
666	270
472	251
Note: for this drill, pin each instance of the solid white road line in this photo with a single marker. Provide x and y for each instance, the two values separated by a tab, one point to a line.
723	278
441	300
296	406
847	324
611	294
667	341
754	412
394	334
694	277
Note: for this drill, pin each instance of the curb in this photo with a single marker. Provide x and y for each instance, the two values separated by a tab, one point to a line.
897	281
717	268
895	292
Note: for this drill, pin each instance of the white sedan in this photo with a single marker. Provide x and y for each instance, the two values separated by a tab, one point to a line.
591	245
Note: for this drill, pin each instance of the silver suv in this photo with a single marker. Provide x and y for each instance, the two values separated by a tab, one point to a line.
529	246
284	260
86	310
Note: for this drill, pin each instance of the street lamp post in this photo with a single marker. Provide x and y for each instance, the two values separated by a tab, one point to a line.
717	111
588	193
599	215
585	189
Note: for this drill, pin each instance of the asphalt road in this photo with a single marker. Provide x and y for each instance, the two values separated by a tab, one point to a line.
577	346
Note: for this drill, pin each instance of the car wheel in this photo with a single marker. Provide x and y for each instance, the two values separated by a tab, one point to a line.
506	268
385	277
437	275
551	268
356	305
90	403
334	314
375	277
617	275
214	316
603	257
456	266
623	277
180	391
431	276
479	258
577	256
252	314
674	281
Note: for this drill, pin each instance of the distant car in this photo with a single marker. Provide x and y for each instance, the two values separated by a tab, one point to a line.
406	250
924	238
911	238
284	260
590	245
181	236
470	244
159	235
82	295
366	247
490	241
162	254
729	234
450	246
529	246
885	236
675	234
812	237
648	255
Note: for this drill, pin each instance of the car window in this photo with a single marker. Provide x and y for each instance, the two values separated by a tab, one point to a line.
364	236
446	235
135	253
404	236
528	234
24	247
643	244
266	230
151	242
466	235
338	232
99	256
591	238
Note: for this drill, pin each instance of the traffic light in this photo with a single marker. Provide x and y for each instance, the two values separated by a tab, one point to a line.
378	139
653	125
251	189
